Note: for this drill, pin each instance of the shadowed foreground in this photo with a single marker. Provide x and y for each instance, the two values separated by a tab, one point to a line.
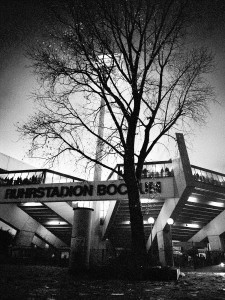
48	282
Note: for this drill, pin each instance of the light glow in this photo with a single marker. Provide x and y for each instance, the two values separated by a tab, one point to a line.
212	203
84	204
56	222
193	199
151	220
192	225
170	221
217	204
32	204
144	200
125	223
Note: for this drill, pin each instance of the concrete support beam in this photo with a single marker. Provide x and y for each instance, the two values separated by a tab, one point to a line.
183	186
164	215
24	238
185	166
165	247
214	228
38	242
17	218
25	235
63	209
49	237
113	206
216	243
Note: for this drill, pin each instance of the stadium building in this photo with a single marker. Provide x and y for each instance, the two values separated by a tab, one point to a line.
182	204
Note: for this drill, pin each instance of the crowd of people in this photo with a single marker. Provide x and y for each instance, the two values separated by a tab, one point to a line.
151	174
34	179
146	173
207	179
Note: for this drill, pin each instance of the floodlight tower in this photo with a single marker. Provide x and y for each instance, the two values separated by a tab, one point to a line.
103	63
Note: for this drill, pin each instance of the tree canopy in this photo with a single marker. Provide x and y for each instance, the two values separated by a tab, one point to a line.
132	55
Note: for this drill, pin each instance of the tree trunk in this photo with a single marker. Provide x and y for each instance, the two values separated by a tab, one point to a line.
136	218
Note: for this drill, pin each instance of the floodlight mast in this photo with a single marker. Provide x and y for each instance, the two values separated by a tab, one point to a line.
99	145
103	62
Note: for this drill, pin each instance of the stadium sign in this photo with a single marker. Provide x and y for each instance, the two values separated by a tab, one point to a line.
75	191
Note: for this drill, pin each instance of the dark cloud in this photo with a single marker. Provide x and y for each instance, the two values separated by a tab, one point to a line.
20	21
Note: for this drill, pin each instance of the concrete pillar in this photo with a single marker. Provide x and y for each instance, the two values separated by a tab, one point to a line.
81	239
165	247
216	243
95	235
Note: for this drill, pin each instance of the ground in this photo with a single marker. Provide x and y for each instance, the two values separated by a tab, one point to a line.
49	283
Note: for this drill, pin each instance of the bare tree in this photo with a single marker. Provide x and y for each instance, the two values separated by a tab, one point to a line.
131	56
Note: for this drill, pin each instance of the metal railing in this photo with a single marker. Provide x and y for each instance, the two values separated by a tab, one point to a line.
34	176
156	169
208	176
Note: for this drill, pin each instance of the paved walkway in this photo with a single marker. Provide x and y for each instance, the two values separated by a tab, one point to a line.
215	269
50	283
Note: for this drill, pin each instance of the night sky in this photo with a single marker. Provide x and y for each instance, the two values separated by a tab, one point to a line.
22	21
